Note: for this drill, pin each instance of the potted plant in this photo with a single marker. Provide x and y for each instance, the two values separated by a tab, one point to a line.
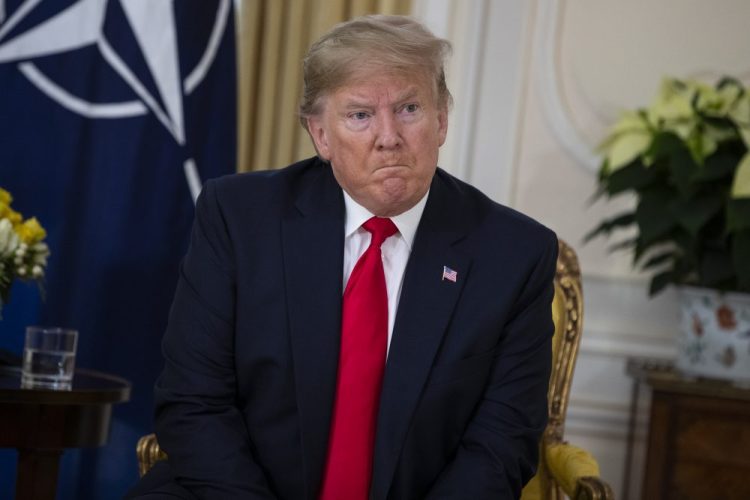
23	253
686	160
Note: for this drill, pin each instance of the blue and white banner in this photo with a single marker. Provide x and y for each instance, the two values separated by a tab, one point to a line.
112	115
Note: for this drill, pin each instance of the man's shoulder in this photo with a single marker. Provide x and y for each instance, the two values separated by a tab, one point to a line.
269	183
266	190
489	216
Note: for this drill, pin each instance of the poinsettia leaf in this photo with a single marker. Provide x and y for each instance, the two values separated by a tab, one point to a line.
659	282
715	267
694	213
629	122
635	176
744	131
741	258
608	225
741	184
682	168
626	147
623	245
665	144
729	81
653	215
738	214
601	190
678	237
658	260
717	166
740	116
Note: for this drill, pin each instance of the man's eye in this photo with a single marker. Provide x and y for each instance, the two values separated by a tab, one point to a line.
411	108
359	115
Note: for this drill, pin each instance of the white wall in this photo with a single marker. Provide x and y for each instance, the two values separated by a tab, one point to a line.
536	83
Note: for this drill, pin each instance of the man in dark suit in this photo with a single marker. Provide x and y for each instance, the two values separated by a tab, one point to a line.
360	324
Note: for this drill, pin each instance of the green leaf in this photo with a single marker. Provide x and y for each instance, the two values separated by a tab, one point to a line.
741	184
738	214
608	225
700	145
744	131
632	177
740	115
694	213
741	258
629	122
659	282
715	268
729	81
683	167
626	148
717	166
672	103
665	144
623	245
600	191
658	260
655	219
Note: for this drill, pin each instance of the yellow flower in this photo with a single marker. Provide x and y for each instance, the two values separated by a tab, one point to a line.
31	231
5	197
14	217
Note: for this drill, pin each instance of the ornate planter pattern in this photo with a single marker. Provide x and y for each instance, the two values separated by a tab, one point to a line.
714	336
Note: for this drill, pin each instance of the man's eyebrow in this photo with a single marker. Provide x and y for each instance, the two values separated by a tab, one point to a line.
356	101
408	94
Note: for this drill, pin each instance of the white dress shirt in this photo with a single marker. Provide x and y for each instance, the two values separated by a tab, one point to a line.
395	249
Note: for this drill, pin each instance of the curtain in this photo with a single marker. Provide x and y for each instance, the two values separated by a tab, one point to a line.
272	39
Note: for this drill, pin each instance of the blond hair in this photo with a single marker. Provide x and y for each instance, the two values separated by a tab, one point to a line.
380	43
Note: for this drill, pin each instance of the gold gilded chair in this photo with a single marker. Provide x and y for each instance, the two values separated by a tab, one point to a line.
148	452
563	468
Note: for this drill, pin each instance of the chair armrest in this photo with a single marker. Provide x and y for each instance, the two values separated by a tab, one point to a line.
577	472
593	488
148	452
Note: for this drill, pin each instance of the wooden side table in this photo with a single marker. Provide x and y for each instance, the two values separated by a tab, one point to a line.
42	423
699	435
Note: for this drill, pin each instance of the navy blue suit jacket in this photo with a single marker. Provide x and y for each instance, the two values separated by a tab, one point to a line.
245	399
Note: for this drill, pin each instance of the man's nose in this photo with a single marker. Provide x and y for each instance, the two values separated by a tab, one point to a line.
388	132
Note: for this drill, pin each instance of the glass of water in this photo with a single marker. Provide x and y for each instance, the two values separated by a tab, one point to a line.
49	356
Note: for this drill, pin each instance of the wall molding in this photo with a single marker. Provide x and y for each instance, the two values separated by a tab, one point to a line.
588	416
596	423
548	29
627	346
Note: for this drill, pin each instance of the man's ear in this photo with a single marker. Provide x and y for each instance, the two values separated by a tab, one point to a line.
442	124
318	135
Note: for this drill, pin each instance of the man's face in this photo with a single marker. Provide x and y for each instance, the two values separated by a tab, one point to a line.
382	134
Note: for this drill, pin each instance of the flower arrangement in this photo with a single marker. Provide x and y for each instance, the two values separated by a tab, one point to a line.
686	159
23	253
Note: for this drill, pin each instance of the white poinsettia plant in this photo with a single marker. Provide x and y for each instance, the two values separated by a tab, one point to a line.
687	160
23	252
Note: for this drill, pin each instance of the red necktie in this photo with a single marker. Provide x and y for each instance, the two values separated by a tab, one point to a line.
364	340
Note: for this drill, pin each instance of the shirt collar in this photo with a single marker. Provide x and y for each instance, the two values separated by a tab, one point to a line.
407	222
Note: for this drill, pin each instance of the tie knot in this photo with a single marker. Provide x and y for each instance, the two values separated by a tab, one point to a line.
380	228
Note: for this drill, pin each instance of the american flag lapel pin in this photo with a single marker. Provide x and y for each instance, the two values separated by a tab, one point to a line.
449	274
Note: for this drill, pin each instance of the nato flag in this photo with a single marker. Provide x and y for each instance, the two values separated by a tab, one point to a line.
112	114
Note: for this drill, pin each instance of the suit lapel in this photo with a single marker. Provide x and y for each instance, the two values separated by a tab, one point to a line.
313	243
425	308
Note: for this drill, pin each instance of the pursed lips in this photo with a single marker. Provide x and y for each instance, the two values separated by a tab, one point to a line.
392	165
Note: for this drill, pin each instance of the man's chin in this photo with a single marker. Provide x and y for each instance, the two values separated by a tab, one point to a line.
395	198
